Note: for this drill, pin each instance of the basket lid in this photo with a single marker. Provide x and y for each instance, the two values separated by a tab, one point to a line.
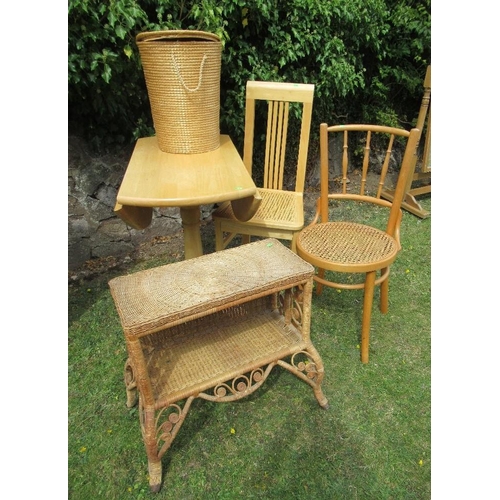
157	36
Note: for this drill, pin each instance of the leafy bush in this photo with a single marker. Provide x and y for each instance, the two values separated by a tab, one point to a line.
367	58
107	95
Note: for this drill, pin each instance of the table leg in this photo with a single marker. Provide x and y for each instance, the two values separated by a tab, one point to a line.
192	237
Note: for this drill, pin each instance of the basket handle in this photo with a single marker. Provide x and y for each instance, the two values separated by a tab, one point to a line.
178	73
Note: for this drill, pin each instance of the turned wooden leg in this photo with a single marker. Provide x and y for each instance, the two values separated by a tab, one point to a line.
384	294
319	286
192	237
367	315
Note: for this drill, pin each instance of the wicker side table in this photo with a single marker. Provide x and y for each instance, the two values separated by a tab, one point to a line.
213	327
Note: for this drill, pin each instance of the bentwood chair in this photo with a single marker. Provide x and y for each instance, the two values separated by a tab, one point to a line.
281	211
365	248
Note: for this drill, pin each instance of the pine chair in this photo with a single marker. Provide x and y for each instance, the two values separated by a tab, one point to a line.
281	211
356	247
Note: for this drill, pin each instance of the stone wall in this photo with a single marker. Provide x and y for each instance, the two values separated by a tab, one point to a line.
94	231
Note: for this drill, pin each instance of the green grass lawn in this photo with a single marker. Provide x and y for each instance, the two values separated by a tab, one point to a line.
374	442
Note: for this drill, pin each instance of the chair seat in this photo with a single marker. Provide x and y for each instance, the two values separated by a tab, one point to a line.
346	246
278	209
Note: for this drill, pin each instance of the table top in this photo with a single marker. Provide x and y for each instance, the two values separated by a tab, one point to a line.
150	300
157	179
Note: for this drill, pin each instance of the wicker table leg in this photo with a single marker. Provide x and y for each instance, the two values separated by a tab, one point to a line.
130	384
159	428
310	371
147	418
154	470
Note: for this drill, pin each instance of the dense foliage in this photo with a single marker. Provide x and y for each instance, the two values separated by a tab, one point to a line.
367	58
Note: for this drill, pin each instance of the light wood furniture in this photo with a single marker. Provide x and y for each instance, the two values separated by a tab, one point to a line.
281	212
355	246
157	179
423	167
213	327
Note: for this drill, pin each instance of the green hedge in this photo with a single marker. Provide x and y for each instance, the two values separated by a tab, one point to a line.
367	58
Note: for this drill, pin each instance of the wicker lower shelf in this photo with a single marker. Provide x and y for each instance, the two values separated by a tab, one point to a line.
200	354
213	327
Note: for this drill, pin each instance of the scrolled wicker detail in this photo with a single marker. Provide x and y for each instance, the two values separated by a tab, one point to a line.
308	366
290	305
166	424
168	420
240	386
171	415
220	391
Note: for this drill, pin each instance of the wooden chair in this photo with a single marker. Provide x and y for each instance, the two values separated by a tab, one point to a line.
423	166
281	211
358	247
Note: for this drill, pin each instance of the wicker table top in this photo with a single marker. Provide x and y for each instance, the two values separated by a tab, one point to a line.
149	300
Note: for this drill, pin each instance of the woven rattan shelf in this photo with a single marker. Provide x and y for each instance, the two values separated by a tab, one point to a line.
213	327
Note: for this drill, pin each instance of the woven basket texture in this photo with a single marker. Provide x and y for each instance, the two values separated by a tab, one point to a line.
149	300
348	243
275	205
182	73
219	346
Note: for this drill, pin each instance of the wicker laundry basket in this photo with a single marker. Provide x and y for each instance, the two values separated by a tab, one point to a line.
182	73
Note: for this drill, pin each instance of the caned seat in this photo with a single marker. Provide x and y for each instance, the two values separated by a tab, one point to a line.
368	246
281	210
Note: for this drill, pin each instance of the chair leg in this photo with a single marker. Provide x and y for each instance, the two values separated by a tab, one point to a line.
384	294
319	286
245	238
221	242
367	315
293	245
219	236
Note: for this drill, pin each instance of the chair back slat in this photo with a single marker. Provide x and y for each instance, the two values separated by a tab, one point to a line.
304	144
278	96
276	139
324	167
345	161
385	166
366	162
378	142
249	134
